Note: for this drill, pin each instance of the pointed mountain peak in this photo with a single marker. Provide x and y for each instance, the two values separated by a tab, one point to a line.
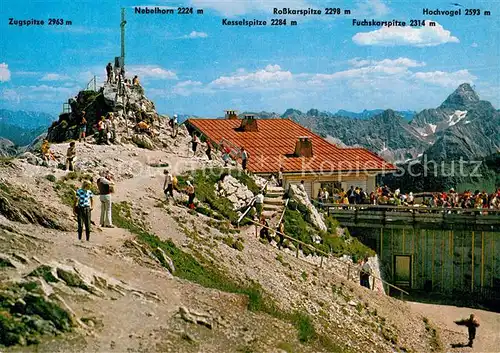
463	96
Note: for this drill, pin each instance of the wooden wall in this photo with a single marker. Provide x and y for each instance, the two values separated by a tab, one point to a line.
443	260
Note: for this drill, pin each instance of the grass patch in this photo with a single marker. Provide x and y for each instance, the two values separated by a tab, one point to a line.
204	181
51	177
66	192
304	326
435	340
297	226
5	188
25	315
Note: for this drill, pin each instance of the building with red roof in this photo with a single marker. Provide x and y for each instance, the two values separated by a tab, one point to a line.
282	143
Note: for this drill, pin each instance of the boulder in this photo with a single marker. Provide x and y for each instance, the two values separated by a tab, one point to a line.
143	141
313	216
31	158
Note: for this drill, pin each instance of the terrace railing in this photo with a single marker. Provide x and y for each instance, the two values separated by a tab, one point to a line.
388	215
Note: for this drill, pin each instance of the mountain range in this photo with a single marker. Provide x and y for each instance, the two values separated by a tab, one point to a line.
463	126
22	127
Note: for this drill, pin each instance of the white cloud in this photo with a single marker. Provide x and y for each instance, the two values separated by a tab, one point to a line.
241	7
194	35
271	76
374	8
474	45
152	72
55	77
4	72
446	79
393	36
357	62
370	70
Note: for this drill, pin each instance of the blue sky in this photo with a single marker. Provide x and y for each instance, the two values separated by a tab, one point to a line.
193	64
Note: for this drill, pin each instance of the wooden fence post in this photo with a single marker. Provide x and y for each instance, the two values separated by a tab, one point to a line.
297	251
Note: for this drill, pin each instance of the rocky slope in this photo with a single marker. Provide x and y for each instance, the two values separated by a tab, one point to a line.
117	292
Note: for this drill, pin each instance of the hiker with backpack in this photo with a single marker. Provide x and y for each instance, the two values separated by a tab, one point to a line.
84	203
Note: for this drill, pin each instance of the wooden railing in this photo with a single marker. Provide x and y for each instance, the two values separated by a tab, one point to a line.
251	203
313	248
366	215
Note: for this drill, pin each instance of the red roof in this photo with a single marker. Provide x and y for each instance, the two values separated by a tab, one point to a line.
273	145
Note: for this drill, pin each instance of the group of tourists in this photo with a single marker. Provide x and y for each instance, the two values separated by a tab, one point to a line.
384	196
106	129
224	148
84	204
171	184
116	74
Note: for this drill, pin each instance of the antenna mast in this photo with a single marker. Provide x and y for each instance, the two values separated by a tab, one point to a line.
122	26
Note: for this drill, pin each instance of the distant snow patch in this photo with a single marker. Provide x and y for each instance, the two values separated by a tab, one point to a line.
432	127
456	117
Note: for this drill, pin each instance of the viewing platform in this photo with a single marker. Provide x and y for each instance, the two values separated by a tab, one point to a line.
389	216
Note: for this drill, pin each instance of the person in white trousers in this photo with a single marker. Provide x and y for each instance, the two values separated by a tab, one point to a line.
105	185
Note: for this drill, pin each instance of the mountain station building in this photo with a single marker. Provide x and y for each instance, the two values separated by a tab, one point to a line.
282	143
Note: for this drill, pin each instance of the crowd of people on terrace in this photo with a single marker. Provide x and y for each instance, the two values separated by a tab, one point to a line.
384	196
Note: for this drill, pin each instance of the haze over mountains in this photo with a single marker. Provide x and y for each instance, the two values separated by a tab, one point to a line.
22	127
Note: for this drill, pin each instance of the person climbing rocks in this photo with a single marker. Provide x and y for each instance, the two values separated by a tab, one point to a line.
109	73
46	152
259	202
101	129
135	81
168	186
302	186
84	203
70	156
472	323
110	128
364	274
194	143
105	185
143	127
191	194
175	126
82	127
281	232
244	158
209	150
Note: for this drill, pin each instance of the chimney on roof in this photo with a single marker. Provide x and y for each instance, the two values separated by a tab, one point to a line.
231	114
304	147
249	123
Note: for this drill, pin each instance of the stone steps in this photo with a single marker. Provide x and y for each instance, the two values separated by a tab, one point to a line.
270	207
268	214
274	201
